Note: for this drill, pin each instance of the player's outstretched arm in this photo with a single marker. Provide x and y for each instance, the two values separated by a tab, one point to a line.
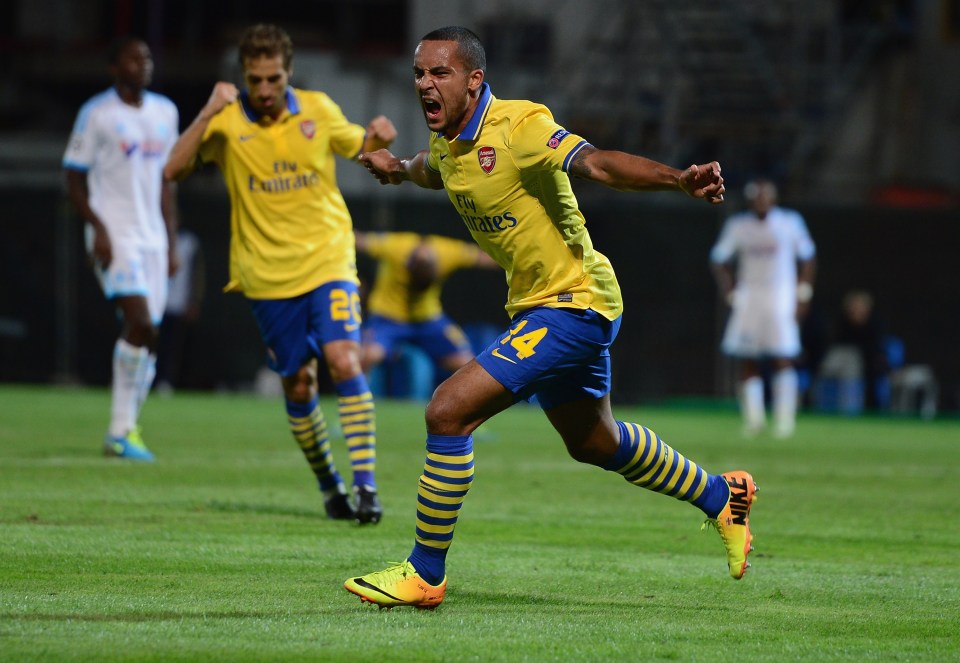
389	169
362	240
627	172
183	156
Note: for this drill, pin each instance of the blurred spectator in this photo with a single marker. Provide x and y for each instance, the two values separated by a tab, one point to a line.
184	298
859	328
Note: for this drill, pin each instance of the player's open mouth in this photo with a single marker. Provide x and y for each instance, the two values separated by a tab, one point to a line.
431	108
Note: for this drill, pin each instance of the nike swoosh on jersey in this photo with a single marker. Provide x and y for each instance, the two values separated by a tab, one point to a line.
351	327
442	157
245	137
496	353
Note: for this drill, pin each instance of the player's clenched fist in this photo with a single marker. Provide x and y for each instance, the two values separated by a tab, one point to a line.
222	96
382	129
703	181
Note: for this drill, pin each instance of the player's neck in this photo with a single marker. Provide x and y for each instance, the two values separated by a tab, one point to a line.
274	114
131	96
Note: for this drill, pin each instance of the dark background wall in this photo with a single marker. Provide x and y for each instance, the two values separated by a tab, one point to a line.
59	327
843	103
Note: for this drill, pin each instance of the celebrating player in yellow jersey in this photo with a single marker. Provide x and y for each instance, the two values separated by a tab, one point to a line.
292	247
404	305
506	166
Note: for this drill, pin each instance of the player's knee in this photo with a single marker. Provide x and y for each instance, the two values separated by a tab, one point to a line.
453	363
141	332
581	453
443	416
300	387
343	361
590	451
373	355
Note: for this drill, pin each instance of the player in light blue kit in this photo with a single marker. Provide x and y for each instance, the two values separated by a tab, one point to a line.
769	292
114	171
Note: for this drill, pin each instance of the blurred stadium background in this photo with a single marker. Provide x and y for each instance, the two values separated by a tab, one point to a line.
850	105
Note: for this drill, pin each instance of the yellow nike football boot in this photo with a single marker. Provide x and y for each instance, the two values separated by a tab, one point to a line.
733	523
398	584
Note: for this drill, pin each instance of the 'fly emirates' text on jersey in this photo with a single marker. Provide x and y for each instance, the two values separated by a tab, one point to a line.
290	228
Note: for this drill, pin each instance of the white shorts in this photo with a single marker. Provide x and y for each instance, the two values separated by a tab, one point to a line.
762	325
134	271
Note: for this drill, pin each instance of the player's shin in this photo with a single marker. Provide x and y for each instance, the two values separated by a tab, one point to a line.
309	429
447	476
358	423
645	460
129	365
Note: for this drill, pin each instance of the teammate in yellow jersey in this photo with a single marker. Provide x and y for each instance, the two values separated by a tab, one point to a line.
292	248
404	305
506	166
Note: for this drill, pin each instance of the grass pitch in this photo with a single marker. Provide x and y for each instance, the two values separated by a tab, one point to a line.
220	550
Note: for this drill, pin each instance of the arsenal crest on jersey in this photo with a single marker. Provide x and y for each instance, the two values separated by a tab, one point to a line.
308	127
488	158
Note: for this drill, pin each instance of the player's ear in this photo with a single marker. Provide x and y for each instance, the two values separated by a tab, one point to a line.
475	80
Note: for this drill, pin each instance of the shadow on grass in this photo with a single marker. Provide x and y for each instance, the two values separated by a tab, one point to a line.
263	509
578	603
135	617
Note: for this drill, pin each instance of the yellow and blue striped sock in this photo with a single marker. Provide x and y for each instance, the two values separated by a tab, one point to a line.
647	461
358	423
309	429
447	476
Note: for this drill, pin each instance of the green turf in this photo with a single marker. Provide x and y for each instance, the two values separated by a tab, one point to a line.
220	551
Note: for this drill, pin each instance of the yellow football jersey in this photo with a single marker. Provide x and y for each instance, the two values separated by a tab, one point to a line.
392	296
506	176
290	230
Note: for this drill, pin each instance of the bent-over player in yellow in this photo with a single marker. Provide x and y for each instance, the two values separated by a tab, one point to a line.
404	304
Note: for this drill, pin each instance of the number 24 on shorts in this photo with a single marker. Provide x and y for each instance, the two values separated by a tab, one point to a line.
525	344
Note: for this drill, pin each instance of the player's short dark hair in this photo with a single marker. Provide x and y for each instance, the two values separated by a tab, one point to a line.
119	45
265	40
469	47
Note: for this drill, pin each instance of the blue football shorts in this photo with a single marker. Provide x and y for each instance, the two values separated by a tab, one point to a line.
439	337
295	329
557	355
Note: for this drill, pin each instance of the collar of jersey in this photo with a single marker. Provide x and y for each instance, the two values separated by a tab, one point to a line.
292	104
472	130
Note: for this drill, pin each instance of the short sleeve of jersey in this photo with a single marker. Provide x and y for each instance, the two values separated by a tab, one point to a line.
83	141
539	142
174	119
211	146
726	245
806	249
461	254
433	158
375	244
346	138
